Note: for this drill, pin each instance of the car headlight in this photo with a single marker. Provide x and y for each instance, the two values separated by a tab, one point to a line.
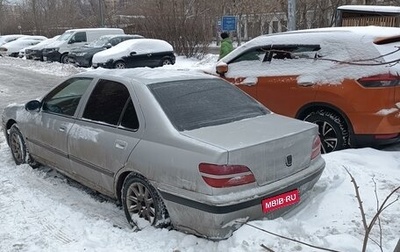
80	54
55	49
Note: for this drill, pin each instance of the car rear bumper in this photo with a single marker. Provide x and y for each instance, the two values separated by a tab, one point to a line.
374	129
217	217
374	140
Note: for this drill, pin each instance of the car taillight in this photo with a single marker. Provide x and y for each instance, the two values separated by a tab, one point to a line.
380	80
220	176
316	148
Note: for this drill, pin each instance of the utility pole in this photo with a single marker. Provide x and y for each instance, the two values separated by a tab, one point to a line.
101	12
291	15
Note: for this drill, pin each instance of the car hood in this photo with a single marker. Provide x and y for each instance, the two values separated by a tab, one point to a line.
55	44
272	146
88	50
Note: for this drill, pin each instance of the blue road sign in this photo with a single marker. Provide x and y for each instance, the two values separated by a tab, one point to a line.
229	23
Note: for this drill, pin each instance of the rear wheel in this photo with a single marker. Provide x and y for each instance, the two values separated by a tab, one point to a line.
332	130
142	204
165	61
120	65
18	148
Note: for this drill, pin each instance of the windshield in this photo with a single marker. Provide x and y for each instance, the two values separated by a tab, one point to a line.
65	36
192	104
102	41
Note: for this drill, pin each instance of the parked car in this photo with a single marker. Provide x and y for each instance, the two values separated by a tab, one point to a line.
177	148
346	80
83	56
136	53
36	51
12	48
72	39
8	38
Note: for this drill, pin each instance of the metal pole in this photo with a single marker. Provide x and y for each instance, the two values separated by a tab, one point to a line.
291	15
101	13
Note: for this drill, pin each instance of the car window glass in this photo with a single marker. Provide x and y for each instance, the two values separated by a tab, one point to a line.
115	41
256	54
293	52
129	118
65	98
79	37
106	102
192	104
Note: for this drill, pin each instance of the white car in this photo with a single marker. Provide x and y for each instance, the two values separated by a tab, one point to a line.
12	48
8	38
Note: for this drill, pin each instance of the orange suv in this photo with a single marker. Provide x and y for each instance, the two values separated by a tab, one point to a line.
346	80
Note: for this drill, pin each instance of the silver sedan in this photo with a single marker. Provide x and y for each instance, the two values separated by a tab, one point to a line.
178	149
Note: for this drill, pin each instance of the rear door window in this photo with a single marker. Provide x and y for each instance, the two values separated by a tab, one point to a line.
107	102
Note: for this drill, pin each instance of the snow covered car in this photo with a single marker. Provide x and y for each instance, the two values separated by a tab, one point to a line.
36	51
8	38
136	53
177	148
82	56
345	79
12	48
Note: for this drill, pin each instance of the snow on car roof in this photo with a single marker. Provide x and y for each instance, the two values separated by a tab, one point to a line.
371	8
42	43
139	46
330	65
18	43
146	75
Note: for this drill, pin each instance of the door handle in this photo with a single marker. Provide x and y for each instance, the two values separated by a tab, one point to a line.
62	128
119	144
306	84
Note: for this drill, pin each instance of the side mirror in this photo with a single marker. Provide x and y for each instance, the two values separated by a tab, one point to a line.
33	105
132	53
222	69
108	45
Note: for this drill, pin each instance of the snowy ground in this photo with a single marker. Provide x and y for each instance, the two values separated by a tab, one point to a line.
41	210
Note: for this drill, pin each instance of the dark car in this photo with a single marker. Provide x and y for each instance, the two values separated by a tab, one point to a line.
36	51
83	56
136	53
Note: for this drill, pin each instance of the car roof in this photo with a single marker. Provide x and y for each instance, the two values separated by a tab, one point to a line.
318	35
122	36
146	76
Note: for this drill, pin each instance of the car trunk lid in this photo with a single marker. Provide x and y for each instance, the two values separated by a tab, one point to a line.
271	146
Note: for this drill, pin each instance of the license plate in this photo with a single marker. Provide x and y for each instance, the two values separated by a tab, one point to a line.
44	58
280	201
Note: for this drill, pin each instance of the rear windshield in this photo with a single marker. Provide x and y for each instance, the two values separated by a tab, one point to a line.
192	104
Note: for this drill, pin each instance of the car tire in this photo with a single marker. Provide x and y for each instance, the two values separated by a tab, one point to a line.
120	65
18	148
332	130
64	59
165	61
142	204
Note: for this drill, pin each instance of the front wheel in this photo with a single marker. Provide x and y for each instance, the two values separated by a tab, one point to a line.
332	130
18	148
142	204
120	65
64	59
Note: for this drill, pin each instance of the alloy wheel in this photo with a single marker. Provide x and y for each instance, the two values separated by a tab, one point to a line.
140	201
